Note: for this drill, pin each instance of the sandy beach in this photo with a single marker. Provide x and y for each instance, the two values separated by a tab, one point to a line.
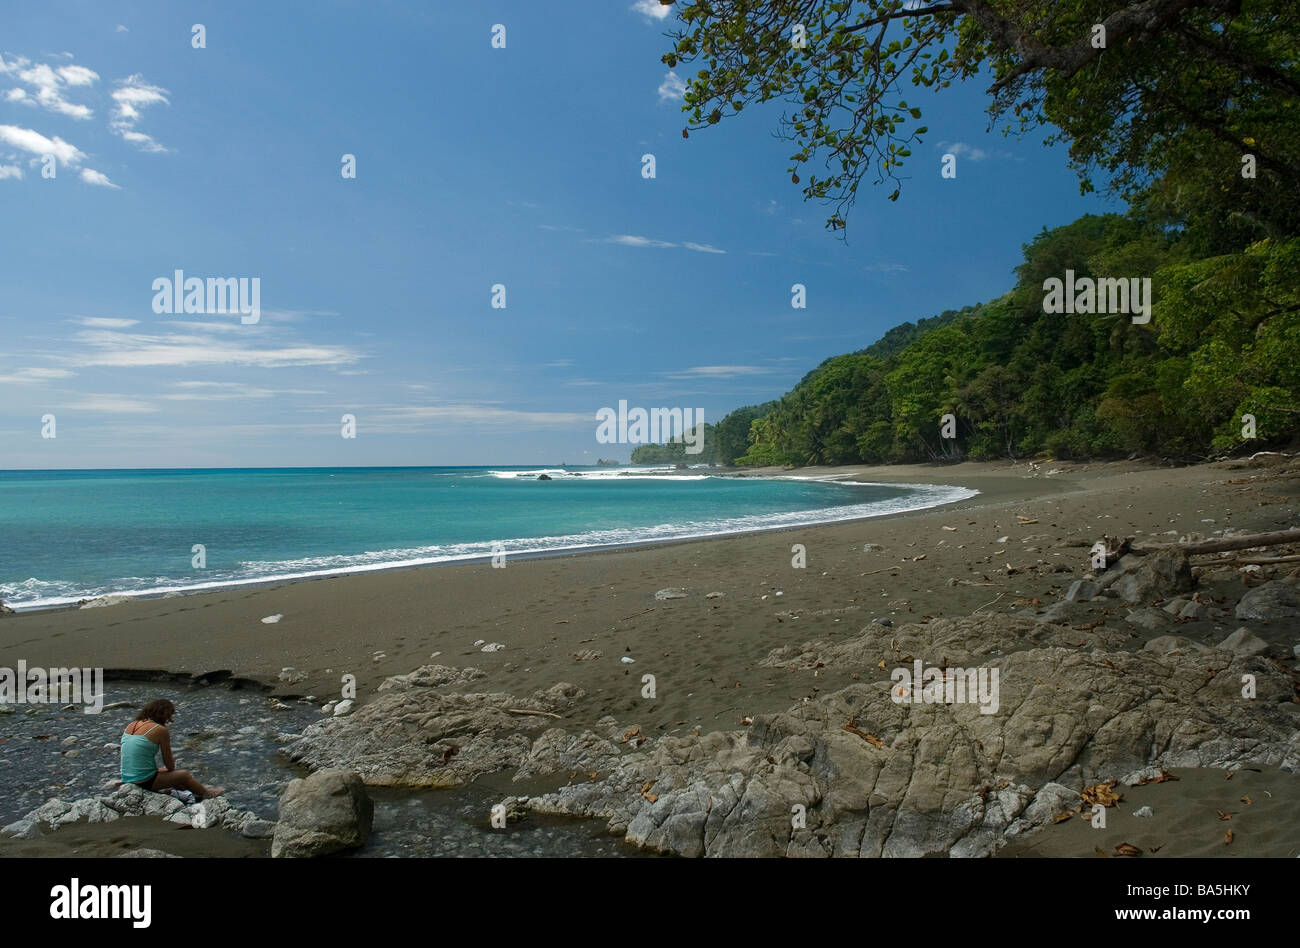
1016	545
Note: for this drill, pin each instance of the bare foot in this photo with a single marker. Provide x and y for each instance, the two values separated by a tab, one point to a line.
214	792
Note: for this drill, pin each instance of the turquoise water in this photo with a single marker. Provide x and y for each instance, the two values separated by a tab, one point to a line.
69	535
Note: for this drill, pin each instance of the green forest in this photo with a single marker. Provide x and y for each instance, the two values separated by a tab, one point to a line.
1192	112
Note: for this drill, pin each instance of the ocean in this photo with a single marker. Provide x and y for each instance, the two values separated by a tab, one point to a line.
72	535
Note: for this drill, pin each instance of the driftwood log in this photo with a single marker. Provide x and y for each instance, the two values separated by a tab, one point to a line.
1226	544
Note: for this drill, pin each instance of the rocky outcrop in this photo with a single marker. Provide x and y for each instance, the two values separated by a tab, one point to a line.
414	736
327	812
853	773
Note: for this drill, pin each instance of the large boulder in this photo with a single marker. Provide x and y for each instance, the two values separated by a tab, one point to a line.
1273	600
1159	576
325	813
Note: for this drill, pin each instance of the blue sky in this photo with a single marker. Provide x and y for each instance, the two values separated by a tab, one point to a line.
475	166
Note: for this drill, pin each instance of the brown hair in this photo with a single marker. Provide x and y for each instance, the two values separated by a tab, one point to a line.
158	711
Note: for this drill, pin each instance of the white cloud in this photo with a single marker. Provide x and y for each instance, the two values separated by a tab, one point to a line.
16	95
113	403
229	391
652	9
38	144
98	178
407	417
105	322
48	84
672	88
121	29
23	376
77	75
10	171
634	240
971	152
717	372
132	96
106	347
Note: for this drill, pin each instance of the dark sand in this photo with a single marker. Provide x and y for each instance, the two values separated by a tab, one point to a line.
703	652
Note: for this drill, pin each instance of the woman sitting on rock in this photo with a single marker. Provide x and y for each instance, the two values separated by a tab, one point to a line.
144	738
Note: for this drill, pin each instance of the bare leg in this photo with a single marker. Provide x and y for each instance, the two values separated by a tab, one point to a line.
182	780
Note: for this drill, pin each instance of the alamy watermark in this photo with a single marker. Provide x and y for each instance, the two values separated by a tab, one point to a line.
656	426
217	295
1104	295
934	685
33	685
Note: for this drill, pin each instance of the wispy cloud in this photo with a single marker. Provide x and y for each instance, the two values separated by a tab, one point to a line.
634	240
229	391
28	376
132	96
105	322
119	404
970	152
110	348
34	142
672	88
885	268
10	171
718	372
399	417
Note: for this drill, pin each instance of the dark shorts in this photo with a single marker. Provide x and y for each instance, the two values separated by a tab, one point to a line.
147	784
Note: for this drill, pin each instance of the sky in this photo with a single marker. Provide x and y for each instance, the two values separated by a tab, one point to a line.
475	166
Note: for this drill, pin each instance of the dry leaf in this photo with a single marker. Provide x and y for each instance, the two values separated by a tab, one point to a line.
1127	849
629	734
651	797
1227	774
1164	776
1224	816
1227	837
646	786
882	664
1247	800
1100	852
1101	793
1062	817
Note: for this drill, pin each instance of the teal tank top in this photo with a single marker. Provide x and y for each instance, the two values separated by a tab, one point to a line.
138	758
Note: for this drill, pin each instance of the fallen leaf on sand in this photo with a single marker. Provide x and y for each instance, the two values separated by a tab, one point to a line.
629	734
1247	800
1127	849
1025	520
1062	817
1224	816
1101	793
647	785
1100	852
1227	774
1227	838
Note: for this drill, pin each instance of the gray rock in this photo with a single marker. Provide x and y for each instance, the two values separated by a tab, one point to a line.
883	621
1273	600
423	737
23	829
675	593
1164	644
325	813
1193	610
432	676
1159	576
344	707
111	600
1081	590
1175	606
258	829
146	854
1244	644
1144	812
1063	612
1148	619
872	548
